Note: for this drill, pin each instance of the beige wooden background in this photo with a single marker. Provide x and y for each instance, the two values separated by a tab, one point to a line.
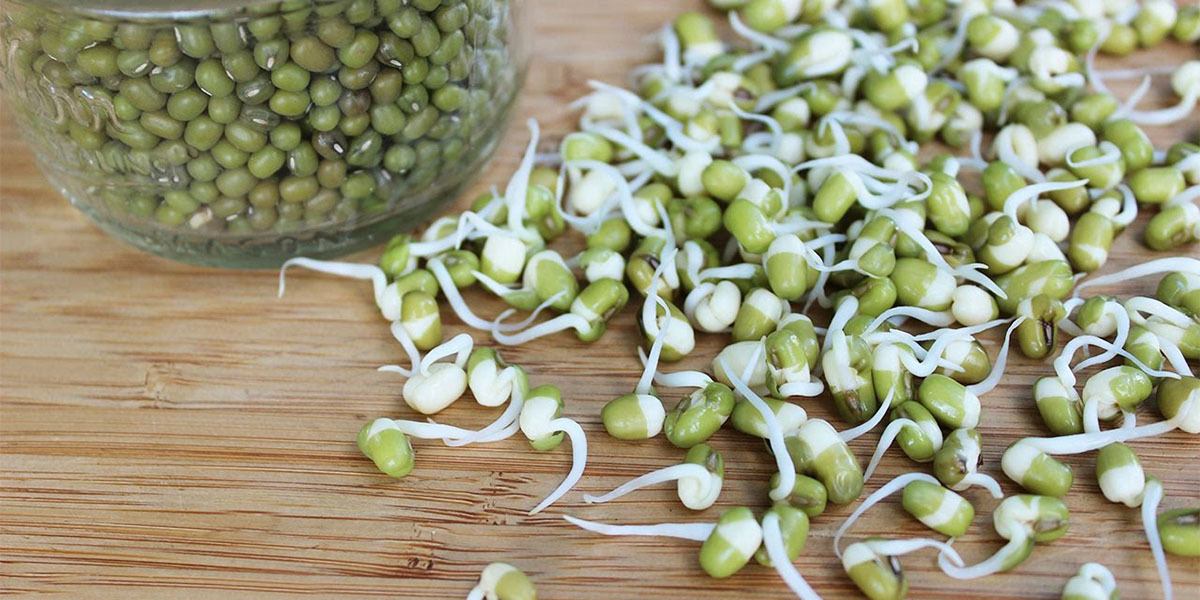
176	432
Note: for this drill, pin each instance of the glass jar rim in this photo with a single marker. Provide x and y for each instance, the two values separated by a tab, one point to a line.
158	10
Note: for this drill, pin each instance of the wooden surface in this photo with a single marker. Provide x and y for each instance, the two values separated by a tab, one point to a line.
175	432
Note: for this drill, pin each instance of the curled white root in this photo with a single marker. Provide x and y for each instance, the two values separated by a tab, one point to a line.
664	475
505	426
854	433
992	565
1153	267
983	480
884	491
390	310
578	460
562	322
697	532
678	379
773	542
1030	192
458	346
410	349
514	194
1065	373
455	299
1166	116
924	315
997	373
885	441
1153	496
783	460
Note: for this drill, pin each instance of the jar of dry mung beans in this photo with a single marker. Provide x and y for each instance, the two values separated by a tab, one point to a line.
242	133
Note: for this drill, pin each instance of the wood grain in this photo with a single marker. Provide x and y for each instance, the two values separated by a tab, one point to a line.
175	432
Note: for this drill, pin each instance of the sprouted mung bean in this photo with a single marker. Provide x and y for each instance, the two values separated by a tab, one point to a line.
502	581
740	184
1093	582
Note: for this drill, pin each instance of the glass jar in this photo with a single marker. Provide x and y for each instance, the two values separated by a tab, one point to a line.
240	134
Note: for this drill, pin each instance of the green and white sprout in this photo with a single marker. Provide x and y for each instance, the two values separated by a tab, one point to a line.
917	430
873	565
433	385
1178	334
846	362
546	276
1153	495
1112	392
503	427
640	415
449	289
588	315
385	442
783	459
850	177
758	315
387	446
817	52
698	479
1051	278
926	500
985	82
1048	219
1179	403
492	380
421	319
1015	146
699	414
501	581
1179	531
931	283
956	463
1100	164
784	530
542	423
788	370
503	258
1054	147
728	544
1120	474
1186	84
786	262
1059	404
386	295
746	418
696	36
816	448
1092	582
747	358
1030	461
713	307
971	305
950	402
1022	520
991	36
1177	223
1008	243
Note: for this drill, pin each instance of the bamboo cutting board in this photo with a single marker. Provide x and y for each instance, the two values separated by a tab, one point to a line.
175	432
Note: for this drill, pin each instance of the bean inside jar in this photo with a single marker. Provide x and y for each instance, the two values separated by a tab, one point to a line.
276	117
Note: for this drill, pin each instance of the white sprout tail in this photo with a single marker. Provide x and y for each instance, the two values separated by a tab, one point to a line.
578	461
